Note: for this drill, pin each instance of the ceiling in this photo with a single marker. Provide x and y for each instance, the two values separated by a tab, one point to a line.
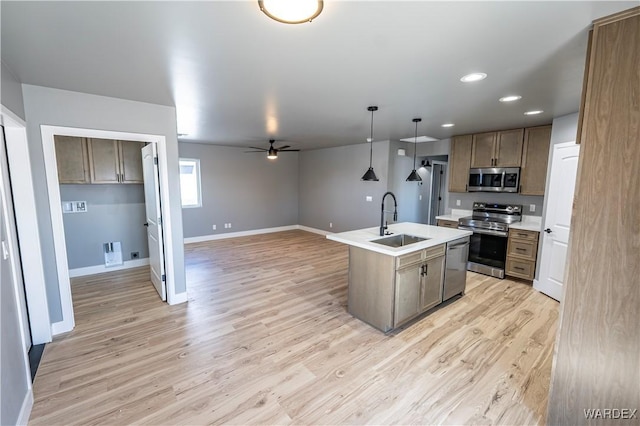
237	77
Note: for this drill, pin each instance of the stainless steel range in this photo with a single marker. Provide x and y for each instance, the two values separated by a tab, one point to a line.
490	226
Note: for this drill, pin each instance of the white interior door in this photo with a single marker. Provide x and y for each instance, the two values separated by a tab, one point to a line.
557	221
154	218
9	250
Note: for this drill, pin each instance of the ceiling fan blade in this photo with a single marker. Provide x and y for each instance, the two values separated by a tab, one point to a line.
288	150
283	147
259	149
254	151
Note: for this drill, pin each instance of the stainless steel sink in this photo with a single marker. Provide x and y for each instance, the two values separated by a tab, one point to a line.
399	240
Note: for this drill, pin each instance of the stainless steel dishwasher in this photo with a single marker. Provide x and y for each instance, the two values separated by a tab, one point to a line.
455	274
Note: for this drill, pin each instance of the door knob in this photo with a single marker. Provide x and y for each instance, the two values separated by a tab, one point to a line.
548	230
146	224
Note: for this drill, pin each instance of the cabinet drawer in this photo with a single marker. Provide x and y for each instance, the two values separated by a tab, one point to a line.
448	223
523	234
436	251
408	259
520	268
522	248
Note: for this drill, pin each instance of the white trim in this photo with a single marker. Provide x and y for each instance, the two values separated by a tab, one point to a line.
14	119
100	269
314	230
27	405
202	238
179	298
51	170
214	237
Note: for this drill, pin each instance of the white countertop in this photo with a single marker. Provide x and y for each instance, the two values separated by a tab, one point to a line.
455	215
528	223
363	237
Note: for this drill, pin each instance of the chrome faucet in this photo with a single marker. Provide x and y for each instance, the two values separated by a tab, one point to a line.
383	226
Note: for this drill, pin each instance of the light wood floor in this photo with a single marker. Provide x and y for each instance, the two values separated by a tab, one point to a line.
266	339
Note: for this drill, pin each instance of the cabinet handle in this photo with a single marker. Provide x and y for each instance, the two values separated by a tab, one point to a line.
520	249
518	268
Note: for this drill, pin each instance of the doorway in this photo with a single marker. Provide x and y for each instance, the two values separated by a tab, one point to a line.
438	190
55	205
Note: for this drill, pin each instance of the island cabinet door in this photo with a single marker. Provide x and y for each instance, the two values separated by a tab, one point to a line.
407	297
432	279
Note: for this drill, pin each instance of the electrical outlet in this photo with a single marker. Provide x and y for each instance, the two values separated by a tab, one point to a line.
458	203
135	254
330	224
214	227
420	197
532	208
229	226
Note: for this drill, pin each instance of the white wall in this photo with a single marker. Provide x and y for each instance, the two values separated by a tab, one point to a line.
72	109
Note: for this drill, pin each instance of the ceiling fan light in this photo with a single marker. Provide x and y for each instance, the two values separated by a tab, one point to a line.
414	177
291	11
272	154
370	175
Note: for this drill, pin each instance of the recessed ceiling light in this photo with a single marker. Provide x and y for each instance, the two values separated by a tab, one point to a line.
510	98
534	112
447	125
476	76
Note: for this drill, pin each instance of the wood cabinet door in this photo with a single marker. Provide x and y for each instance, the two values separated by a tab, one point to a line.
482	150
407	297
535	157
431	292
131	161
104	160
459	162
72	159
509	148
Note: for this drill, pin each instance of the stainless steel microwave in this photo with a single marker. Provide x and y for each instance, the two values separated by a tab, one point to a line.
494	179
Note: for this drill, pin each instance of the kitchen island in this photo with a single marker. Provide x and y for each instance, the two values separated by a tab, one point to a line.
395	278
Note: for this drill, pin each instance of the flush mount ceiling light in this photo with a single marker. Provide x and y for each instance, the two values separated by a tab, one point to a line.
414	176
476	76
510	98
534	112
370	175
291	11
447	125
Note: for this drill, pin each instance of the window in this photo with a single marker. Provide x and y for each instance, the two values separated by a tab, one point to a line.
190	182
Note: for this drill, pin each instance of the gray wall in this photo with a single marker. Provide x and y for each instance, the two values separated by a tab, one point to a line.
11	92
407	193
72	109
244	189
114	213
331	189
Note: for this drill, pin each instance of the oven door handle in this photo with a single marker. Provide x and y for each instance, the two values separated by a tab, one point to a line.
484	231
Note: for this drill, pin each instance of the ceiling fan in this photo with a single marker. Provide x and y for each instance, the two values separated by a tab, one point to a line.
272	153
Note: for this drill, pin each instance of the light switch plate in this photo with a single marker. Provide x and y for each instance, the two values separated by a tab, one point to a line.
369	198
532	208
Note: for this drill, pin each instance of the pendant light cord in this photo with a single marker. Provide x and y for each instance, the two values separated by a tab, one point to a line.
371	141
415	145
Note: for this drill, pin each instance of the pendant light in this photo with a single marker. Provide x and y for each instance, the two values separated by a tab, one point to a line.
291	11
414	176
370	175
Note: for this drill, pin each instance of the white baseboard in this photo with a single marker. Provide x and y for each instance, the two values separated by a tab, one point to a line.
99	269
62	327
314	230
178	298
202	238
27	405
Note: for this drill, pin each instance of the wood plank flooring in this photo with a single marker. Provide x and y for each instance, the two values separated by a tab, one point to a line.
266	339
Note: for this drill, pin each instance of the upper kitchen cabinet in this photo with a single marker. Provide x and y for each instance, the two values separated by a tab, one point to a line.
497	149
459	162
535	155
114	161
72	159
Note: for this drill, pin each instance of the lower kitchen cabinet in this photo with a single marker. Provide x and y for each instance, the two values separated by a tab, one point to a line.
448	223
522	253
387	291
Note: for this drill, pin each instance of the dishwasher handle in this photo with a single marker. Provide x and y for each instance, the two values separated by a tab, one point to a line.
457	246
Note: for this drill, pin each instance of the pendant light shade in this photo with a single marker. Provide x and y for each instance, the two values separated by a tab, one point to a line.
291	11
414	176
370	175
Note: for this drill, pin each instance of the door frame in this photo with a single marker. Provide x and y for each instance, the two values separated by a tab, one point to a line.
55	207
445	165
27	223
